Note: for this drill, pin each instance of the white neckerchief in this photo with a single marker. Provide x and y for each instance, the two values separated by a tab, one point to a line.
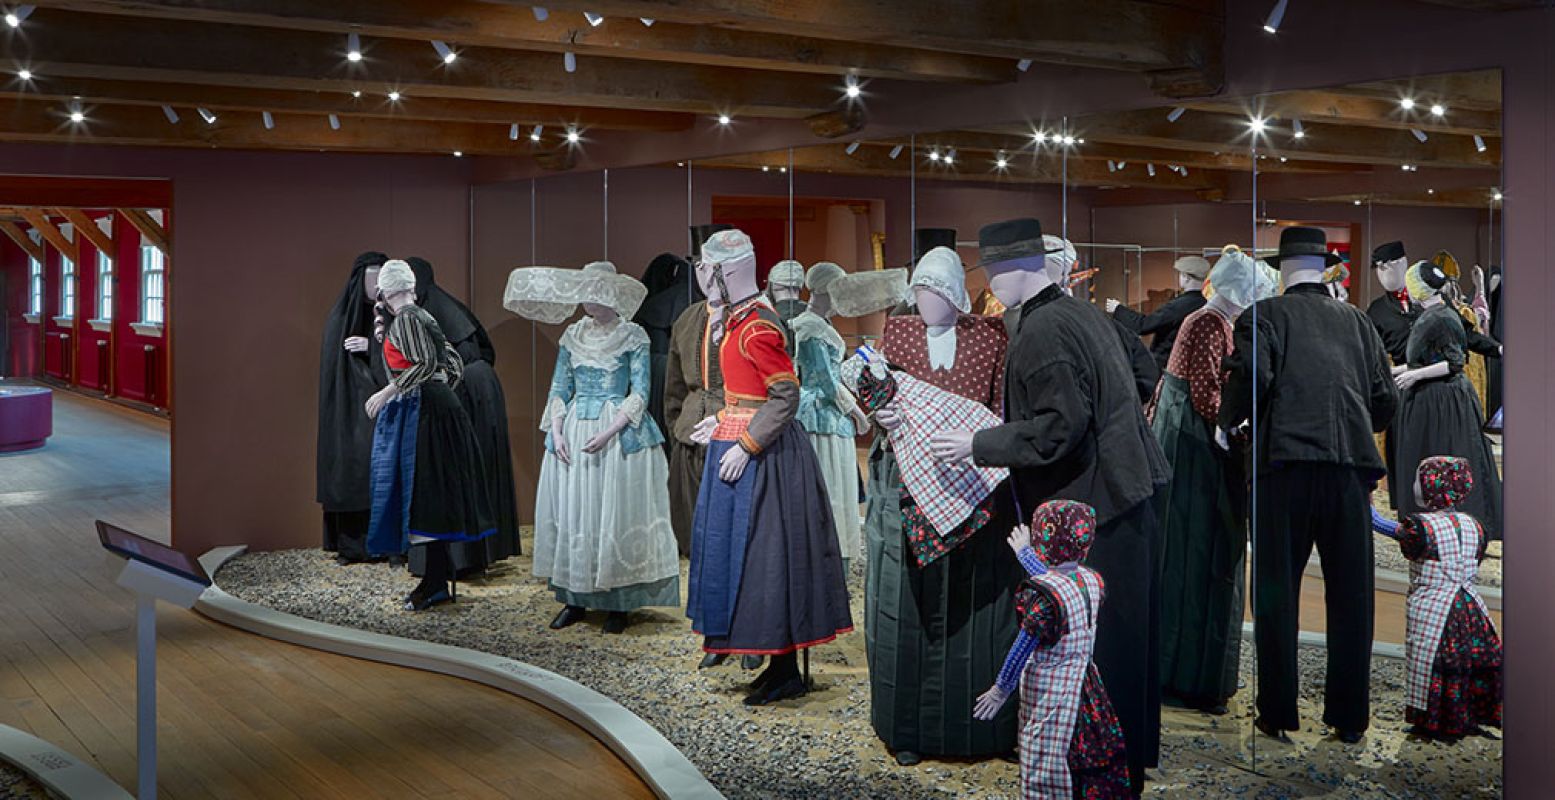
595	345
942	347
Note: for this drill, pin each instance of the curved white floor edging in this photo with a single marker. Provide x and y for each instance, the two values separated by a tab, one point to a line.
58	771
658	762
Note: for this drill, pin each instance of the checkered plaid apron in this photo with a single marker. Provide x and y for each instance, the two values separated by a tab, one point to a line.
1050	688
1433	585
946	493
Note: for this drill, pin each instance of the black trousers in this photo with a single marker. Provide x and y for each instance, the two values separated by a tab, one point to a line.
1127	554
1300	506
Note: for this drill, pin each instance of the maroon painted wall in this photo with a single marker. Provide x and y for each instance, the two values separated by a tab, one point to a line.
23	351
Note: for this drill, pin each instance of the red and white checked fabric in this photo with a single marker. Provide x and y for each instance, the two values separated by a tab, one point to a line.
1433	585
1051	685
945	493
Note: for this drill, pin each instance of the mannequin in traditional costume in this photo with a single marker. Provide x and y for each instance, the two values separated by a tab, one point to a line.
671	290
1162	324
1319	373
603	538
766	571
1074	429
425	490
784	282
1071	745
350	371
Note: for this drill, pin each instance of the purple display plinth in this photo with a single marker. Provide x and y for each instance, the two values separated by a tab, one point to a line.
26	417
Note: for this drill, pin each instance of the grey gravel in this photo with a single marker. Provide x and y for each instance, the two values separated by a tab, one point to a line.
18	785
822	745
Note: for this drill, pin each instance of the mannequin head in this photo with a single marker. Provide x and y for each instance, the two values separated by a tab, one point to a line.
602	314
727	270
1014	254
1443	482
939	287
819	280
370	283
1239	282
1062	531
1390	274
1296	270
1059	259
397	285
785	280
1015	282
937	312
1191	273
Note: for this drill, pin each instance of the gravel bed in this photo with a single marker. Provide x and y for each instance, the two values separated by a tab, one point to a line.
822	745
18	785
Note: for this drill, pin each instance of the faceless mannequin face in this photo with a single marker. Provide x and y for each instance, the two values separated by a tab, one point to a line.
820	303
783	292
1391	274
370	284
1015	282
1296	270
1495	281
600	313
937	312
1188	283
399	300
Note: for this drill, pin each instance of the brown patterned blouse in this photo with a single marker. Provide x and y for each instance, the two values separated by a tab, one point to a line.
1203	342
978	372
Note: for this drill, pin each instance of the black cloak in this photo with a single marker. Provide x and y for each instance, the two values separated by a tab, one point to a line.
670	291
345	433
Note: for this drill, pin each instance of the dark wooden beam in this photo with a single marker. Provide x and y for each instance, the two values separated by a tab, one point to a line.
14	232
88	227
51	234
151	231
188	96
53	191
68	44
1479	90
1359	110
472	23
1102	152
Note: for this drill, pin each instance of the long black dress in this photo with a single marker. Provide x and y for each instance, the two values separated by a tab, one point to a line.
345	434
1442	417
670	292
480	392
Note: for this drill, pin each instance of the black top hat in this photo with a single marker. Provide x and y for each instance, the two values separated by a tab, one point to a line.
1302	241
1010	240
1387	251
926	239
700	234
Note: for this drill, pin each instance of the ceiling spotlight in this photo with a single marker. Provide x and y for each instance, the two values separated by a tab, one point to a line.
934	155
1175	114
1068	140
205	114
172	116
1150	168
1406	103
570	61
1430	191
595	20
1495	194
445	52
77	116
853	90
1479	143
950	157
394	97
1257	125
458	154
1357	202
18	15
1283	159
765	168
540	13
268	120
1112	166
1039	137
353	48
1023	64
782	169
1418	134
724	119
573	137
646	21
896	151
356	93
513	132
1296	129
1271	24
1405	167
24	74
1122	164
1001	162
334	122
534	135
852	148
1438	110
1079	141
1183	171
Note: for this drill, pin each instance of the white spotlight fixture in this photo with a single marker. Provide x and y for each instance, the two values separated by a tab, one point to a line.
896	151
334	122
1150	168
1296	130
724	119
765	168
1406	103
1479	143
268	120
1122	164
1257	125
852	148
513	132
1001	162
172	116
534	135
1357	202
1438	110
1183	171
595	20
353	48
573	137
77	116
934	155
1283	159
205	114
16	16
1495	194
1040	137
1430	191
1176	114
950	157
1023	64
1112	166
356	94
570	61
646	21
1271	24
1418	134
541	14
458	154
1405	167
24	74
445	52
853	90
394	97
782	169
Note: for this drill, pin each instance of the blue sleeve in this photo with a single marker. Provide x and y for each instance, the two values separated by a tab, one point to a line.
561	379
1028	559
1015	662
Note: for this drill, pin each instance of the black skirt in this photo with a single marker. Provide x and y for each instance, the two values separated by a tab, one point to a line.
1443	418
449	501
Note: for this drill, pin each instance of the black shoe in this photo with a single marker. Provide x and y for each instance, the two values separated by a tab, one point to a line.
396	561
907	758
569	615
780	690
616	622
712	660
750	662
421	602
1349	737
1267	728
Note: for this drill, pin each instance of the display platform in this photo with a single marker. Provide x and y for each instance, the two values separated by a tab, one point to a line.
822	744
26	417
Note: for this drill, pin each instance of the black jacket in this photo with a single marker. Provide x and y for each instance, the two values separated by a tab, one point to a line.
1322	377
1074	428
1162	322
1392	322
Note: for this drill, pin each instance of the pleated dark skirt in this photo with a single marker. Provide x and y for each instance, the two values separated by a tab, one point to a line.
1128	630
766	571
1204	552
684	483
937	635
447	500
1443	418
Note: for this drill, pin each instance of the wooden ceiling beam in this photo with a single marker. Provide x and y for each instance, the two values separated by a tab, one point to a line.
473	23
68	44
1367	112
1102	152
100	239
188	96
1479	90
14	232
151	231
56	238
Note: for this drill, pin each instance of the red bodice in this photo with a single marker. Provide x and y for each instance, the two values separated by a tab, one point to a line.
393	357
752	354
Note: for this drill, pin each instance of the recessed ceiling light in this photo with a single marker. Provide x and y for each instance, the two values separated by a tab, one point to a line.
353	48
782	169
268	119
356	93
334	122
1068	139
573	137
1357	202
724	119
1495	195
1039	137
1283	159
513	132
765	168
76	116
1150	168
950	157
1001	162
25	74
1479	143
534	135
570	61
394	97
934	155
1406	103
852	89
1430	191
1437	110
458	154
1297	130
1257	125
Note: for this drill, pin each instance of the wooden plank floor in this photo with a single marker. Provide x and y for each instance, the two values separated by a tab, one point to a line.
240	716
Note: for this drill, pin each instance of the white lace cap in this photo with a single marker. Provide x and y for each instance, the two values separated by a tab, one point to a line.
396	276
729	245
821	276
940	272
859	293
552	294
1060	259
788	273
1238	278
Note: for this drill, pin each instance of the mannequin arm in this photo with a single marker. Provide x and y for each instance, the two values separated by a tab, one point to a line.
1247	369
641	386
1168	315
1383	525
1054	426
762	343
561	392
1409	378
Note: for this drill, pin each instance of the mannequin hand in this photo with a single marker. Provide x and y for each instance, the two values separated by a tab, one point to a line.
703	432
888	417
356	344
559	442
860	419
1479	279
1406	379
989	703
951	446
733	464
1112	304
1222	440
598	442
1019	538
1400	370
379	399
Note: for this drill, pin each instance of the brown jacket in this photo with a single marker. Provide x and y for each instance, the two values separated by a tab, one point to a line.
688	398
